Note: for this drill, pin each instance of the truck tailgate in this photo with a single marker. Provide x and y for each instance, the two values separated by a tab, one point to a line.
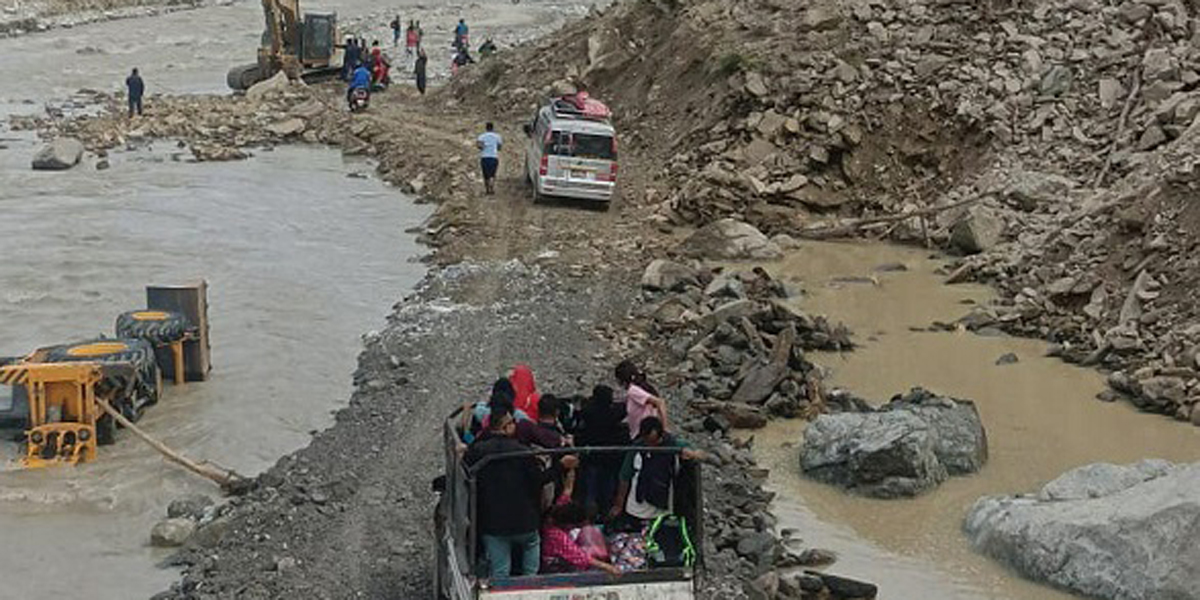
663	590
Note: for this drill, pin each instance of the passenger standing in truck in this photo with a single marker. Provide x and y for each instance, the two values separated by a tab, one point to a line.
510	498
647	482
489	144
641	398
137	88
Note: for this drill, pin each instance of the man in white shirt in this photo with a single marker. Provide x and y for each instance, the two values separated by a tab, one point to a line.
489	144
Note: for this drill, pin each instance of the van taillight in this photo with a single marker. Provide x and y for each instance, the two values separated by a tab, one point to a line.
611	175
614	155
545	166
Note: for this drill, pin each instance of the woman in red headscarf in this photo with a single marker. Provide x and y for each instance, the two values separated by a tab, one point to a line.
527	397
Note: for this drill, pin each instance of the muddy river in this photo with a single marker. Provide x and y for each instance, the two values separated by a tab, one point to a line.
1041	416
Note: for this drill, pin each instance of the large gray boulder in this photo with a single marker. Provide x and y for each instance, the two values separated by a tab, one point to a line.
977	230
961	441
731	239
878	454
59	155
1105	531
171	533
668	275
908	446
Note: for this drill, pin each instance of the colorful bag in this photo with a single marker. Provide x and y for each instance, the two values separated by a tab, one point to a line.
628	552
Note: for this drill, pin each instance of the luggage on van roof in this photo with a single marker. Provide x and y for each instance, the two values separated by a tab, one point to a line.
580	105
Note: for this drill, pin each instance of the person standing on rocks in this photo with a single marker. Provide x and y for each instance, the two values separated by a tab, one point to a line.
419	70
509	497
396	31
641	399
489	144
136	88
410	39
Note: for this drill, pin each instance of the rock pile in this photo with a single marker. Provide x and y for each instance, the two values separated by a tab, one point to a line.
1102	530
737	344
907	447
184	516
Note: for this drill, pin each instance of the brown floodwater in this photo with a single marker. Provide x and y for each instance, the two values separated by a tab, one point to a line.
1041	416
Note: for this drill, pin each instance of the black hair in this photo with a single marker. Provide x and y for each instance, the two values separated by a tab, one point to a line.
650	425
489	126
602	395
548	406
629	374
502	390
571	513
499	413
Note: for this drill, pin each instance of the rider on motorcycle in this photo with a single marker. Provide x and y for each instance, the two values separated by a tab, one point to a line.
361	79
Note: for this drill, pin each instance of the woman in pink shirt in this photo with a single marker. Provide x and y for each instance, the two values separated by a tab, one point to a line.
641	398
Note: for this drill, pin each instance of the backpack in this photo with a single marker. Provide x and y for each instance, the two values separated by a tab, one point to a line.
668	543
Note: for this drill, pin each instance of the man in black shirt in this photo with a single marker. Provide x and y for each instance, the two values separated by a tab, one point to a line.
509	497
136	88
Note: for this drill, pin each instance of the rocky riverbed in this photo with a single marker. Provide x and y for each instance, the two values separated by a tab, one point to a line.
1020	152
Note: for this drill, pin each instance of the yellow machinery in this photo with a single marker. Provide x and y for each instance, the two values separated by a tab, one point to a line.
65	421
298	46
59	392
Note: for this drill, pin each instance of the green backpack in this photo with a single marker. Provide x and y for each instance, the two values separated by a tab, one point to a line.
668	543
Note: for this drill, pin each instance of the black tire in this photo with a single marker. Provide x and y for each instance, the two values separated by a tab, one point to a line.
137	352
106	430
154	326
240	79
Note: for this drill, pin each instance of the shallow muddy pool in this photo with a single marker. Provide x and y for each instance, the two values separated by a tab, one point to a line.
301	260
1041	417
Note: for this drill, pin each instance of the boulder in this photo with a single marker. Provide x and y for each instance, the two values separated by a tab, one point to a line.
189	507
170	533
904	448
286	127
960	441
976	231
667	275
762	379
269	86
58	155
884	455
731	239
1103	531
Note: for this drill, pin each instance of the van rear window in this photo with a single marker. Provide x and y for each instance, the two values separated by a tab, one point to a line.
582	145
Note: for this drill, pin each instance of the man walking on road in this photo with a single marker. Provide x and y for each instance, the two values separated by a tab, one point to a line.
136	88
489	144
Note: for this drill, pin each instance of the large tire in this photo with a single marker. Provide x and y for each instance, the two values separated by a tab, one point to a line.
240	79
154	326
137	352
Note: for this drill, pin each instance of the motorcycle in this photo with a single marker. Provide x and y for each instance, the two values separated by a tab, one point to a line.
360	98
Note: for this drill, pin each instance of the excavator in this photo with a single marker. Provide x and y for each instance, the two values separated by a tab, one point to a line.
301	47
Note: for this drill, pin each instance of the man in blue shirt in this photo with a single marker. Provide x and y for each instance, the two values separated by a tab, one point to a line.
489	144
361	79
460	34
136	89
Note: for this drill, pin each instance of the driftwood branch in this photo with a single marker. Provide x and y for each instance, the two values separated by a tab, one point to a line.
848	229
226	478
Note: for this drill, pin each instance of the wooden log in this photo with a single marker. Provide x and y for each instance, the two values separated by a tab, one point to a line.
228	479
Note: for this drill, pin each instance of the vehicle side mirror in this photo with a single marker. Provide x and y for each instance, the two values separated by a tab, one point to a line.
528	129
438	485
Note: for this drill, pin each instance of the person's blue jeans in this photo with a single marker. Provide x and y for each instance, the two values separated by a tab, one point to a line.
499	551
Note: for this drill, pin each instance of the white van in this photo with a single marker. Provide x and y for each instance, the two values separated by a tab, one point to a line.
572	150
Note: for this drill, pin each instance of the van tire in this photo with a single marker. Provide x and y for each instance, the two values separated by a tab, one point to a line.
154	326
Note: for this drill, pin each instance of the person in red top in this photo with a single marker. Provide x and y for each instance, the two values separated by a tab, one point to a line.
559	551
526	398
